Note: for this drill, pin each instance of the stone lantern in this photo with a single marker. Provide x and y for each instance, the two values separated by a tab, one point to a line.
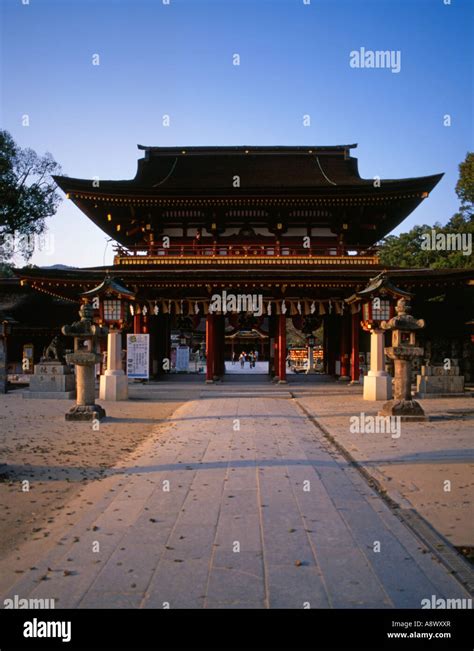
403	350
84	357
111	298
376	302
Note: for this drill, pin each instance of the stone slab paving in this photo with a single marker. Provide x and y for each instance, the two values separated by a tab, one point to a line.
236	502
414	467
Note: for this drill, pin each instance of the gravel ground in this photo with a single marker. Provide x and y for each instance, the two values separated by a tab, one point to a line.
57	458
431	464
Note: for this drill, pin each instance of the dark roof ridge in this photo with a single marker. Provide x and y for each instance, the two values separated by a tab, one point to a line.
245	149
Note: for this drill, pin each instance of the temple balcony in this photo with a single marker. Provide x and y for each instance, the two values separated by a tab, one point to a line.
243	254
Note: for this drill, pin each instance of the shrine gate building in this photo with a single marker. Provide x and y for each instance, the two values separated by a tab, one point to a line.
290	232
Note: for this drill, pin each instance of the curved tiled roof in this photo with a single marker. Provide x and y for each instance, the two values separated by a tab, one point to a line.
283	183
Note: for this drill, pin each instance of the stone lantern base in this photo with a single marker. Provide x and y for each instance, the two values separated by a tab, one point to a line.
377	386
408	410
113	386
86	413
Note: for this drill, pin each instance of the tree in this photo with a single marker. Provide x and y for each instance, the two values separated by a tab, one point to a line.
415	248
28	196
465	185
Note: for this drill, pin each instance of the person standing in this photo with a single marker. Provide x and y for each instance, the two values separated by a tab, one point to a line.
197	242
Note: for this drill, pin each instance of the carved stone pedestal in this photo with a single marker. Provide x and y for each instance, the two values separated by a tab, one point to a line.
437	382
86	412
408	410
52	380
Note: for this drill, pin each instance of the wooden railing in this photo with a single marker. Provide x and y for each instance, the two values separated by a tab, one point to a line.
239	250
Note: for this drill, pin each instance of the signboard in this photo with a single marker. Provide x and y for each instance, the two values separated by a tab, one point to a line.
138	356
182	358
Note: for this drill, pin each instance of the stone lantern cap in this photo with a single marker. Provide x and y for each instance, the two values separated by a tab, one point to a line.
404	327
404	320
85	328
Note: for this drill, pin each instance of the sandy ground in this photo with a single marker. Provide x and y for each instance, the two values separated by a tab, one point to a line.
417	465
58	458
133	544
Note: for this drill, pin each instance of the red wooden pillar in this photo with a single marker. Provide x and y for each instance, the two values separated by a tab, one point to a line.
210	343
137	324
222	344
215	346
355	348
281	348
344	374
325	345
330	346
275	345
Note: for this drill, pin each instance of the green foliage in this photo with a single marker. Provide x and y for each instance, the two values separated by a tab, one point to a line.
6	270
465	185
28	195
406	249
409	249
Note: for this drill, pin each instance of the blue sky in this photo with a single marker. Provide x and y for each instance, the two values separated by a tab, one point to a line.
176	59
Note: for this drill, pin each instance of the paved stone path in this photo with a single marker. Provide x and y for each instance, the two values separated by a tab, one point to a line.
260	368
260	513
415	465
